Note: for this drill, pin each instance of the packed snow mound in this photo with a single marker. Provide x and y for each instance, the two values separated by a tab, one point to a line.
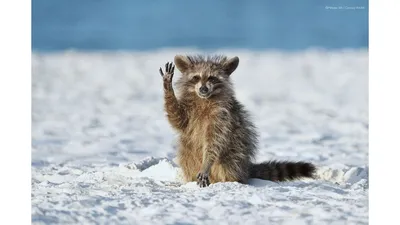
345	176
103	151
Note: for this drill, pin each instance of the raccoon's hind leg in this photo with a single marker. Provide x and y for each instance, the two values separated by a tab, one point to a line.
229	172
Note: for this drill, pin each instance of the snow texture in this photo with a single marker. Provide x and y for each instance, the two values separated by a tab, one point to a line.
104	153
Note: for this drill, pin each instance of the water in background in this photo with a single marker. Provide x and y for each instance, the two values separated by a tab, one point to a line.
206	24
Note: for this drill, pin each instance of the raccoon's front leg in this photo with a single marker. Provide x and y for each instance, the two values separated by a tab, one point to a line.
176	113
217	137
203	179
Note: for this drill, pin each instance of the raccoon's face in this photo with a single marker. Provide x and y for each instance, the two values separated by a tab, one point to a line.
206	85
206	77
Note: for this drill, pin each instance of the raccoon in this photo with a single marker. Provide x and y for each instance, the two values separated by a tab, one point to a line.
217	140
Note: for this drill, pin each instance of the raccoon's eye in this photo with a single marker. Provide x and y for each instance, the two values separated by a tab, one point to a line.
195	78
213	79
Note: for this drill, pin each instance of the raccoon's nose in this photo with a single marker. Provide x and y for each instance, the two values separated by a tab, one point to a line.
203	89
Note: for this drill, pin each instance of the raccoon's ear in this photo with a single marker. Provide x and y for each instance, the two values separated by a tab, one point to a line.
231	65
182	63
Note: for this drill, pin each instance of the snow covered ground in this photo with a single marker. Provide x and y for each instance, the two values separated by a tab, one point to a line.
103	152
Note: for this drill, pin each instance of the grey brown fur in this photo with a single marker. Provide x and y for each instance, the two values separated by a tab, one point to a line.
217	140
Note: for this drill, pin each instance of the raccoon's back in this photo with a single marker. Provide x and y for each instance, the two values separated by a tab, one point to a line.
244	133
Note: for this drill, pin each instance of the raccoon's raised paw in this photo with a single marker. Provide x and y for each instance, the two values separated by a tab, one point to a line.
203	180
169	72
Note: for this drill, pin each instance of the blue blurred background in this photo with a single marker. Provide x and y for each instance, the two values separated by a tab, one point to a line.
145	25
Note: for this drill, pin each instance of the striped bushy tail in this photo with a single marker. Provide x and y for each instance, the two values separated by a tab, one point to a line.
282	170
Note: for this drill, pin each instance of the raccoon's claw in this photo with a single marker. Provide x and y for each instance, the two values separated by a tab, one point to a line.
169	72
203	180
169	68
